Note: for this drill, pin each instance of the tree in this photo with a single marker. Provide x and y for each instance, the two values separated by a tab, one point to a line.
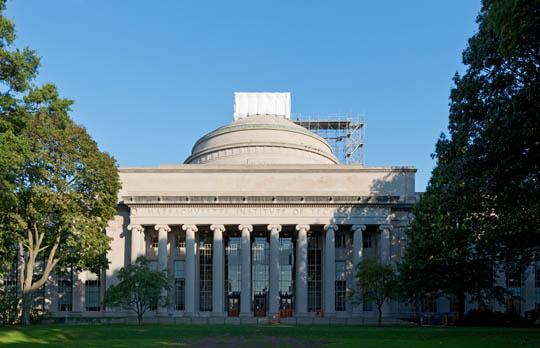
494	121
139	289
57	189
378	282
481	209
441	255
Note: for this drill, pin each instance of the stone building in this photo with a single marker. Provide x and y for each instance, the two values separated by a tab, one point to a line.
261	220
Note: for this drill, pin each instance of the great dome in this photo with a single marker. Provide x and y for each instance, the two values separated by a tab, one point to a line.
262	139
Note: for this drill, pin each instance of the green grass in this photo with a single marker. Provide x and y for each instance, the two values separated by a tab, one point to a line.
132	336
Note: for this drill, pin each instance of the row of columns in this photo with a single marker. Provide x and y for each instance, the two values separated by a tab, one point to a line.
245	295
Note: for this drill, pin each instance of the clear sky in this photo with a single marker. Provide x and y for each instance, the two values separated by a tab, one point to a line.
150	77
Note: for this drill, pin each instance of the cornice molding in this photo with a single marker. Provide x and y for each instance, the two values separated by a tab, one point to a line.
265	199
267	168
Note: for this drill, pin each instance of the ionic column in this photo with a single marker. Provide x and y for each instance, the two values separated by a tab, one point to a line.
163	230
136	234
217	270
273	297
358	253
330	269
384	243
301	269
358	244
190	269
162	246
245	294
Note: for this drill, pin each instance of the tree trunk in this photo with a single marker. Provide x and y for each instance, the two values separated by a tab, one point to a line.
139	318
26	307
461	307
379	307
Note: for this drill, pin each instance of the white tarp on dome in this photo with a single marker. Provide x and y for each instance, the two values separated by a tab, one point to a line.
249	104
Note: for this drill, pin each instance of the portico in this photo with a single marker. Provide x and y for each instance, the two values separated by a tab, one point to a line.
257	230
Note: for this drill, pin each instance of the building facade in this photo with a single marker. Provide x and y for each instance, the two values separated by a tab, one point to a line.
260	221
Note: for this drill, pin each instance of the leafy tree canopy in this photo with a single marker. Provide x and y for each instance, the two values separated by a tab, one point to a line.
57	189
139	289
481	209
378	281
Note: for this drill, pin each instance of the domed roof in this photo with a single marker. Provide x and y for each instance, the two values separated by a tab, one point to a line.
262	139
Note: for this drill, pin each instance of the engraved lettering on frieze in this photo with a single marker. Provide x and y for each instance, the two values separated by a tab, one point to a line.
342	212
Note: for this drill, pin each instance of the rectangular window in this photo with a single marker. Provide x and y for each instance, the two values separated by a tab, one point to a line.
367	305
453	303
341	240
259	274
154	241
205	273
91	296
180	243
429	303
179	285
314	273
341	294
366	240
232	275
65	294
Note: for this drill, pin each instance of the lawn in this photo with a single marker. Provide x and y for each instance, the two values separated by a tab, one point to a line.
132	336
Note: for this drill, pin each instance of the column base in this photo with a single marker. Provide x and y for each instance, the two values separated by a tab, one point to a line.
246	315
219	314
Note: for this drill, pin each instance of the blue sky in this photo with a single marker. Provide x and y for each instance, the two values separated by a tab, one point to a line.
150	77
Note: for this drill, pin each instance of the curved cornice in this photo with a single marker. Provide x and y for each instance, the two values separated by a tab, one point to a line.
220	151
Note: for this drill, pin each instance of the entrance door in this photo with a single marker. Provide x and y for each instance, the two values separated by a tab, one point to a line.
260	306
234	306
285	306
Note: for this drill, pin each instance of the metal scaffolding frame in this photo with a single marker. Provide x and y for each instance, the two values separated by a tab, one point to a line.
344	133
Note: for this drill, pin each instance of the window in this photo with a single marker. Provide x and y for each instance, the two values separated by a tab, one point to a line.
180	243
65	295
367	305
341	240
341	293
453	303
513	284
341	286
91	288
314	273
232	275
154	241
429	303
179	285
259	273
205	273
366	240
286	263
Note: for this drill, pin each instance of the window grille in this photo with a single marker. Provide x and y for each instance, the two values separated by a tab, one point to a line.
205	273
92	294
314	273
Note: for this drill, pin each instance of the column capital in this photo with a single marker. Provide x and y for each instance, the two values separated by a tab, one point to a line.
190	227
383	227
332	227
274	227
361	228
249	228
302	227
162	227
220	228
137	228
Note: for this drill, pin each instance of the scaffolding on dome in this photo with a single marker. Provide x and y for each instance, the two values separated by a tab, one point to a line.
345	133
